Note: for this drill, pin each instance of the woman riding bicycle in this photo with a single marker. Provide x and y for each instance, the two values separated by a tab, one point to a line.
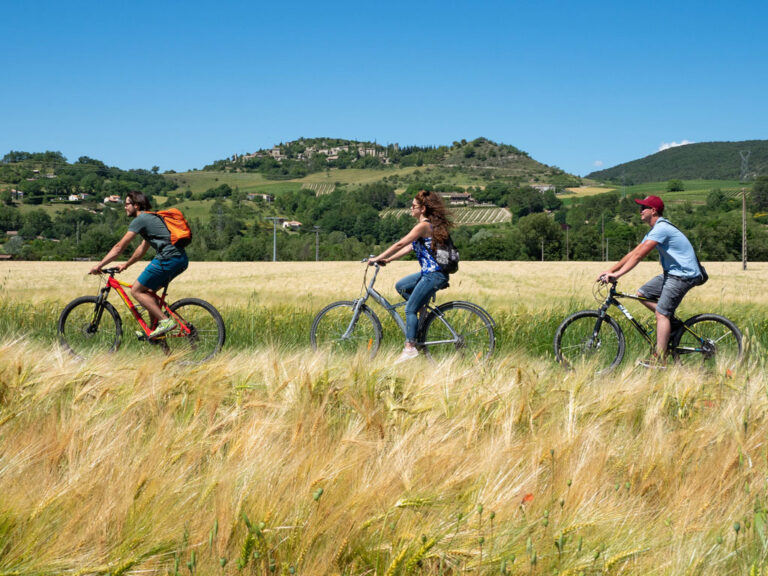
431	231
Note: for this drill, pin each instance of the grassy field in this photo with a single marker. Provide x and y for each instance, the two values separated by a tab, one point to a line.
273	459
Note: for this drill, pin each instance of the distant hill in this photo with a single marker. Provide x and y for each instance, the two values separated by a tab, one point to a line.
702	161
305	156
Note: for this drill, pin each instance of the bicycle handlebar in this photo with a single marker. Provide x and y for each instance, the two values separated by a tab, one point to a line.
110	271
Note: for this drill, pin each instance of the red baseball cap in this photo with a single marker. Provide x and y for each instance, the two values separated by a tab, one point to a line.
652	202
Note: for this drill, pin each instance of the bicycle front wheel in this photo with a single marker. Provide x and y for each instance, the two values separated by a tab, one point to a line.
86	328
709	340
200	332
458	328
335	329
585	338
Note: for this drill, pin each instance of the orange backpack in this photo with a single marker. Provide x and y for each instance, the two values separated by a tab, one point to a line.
181	234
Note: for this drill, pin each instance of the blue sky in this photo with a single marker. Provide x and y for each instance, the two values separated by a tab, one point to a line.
579	85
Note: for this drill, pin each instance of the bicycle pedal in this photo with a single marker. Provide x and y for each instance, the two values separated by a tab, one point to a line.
141	335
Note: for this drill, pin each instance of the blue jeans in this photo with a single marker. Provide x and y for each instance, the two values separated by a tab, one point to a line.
417	290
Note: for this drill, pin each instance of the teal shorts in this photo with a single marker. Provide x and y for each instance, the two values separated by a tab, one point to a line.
159	273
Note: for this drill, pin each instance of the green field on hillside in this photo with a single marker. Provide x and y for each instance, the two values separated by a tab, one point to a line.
200	181
696	191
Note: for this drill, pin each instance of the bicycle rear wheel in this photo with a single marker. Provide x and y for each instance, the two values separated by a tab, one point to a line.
710	340
332	329
200	332
585	338
458	328
86	328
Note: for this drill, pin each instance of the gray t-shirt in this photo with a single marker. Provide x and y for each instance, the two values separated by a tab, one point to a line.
152	228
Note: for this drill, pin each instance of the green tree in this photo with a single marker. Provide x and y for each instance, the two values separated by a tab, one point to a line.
675	185
760	194
540	230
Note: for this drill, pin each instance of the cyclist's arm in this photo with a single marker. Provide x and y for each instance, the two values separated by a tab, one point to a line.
403	246
630	260
399	254
116	250
137	255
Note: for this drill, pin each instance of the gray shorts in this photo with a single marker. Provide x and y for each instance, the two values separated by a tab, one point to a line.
668	290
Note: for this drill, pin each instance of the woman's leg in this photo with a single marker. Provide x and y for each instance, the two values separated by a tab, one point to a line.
406	285
424	290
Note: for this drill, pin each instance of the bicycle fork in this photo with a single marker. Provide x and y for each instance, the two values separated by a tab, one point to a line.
98	309
359	303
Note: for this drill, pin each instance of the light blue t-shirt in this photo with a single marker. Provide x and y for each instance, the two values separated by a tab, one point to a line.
676	252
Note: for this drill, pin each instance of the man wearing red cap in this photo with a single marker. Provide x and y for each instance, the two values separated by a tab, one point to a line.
678	260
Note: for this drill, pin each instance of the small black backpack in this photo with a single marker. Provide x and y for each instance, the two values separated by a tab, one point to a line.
447	256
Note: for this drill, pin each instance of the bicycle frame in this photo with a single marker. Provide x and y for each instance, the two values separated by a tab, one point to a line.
119	286
613	300
371	292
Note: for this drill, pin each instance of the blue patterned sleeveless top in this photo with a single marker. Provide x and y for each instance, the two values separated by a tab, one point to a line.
423	249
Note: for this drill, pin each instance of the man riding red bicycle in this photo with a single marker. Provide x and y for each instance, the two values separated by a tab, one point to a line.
170	260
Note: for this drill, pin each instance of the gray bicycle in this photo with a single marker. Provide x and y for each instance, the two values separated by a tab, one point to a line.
351	326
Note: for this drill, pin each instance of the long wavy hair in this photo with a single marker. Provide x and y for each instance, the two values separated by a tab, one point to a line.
438	215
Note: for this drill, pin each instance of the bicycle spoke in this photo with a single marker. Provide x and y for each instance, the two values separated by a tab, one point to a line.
577	343
458	328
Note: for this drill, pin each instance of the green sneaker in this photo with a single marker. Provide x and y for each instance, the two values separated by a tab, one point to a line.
165	325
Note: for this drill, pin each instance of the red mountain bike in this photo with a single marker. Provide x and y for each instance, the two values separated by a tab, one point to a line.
90	324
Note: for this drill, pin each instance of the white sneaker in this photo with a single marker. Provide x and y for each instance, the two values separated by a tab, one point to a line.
407	354
165	325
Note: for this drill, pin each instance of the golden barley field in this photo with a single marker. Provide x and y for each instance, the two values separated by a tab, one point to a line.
274	459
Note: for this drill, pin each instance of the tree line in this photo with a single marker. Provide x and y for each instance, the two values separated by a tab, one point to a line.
349	225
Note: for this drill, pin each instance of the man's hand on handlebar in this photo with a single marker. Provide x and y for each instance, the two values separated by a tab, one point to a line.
607	278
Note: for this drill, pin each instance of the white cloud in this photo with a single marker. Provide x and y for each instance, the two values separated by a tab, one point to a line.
668	145
597	163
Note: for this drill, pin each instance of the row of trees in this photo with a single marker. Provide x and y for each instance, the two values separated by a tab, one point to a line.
594	228
42	177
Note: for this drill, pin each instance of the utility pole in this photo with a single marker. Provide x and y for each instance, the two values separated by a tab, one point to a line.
317	243
602	236
744	175
274	235
542	249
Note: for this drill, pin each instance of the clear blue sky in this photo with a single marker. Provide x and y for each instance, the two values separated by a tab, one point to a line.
580	85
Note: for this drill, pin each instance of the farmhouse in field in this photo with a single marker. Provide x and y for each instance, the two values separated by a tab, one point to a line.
543	187
458	198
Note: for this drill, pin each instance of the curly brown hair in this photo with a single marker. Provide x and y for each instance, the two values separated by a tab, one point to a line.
438	215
